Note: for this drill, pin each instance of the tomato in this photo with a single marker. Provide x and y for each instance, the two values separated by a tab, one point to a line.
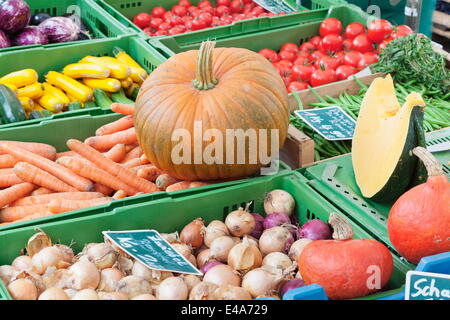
226	20
184	3
148	31
297	86
315	40
204	4
302	72
284	69
289	47
177	30
340	55
332	43
330	26
198	24
250	15
156	22
247	7
175	21
264	14
362	43
250	2
192	11
301	60
287	80
352	58
237	6
223	11
258	10
223	3
321	77
347	44
167	16
164	26
353	30
383	45
206	17
179	10
158	12
367	59
401	31
308	47
379	30
344	71
328	63
270	55
160	33
287	55
316	55
142	20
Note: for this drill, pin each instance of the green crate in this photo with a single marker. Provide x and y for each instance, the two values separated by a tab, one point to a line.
97	21
169	215
335	180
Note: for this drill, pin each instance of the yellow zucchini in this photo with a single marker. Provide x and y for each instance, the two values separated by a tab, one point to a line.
12	87
138	75
126	83
33	91
108	85
20	78
118	70
71	98
72	87
86	70
124	57
130	90
26	103
50	102
57	93
37	106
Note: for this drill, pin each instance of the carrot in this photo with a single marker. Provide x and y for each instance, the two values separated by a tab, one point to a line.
29	173
60	205
116	153
165	180
36	216
119	195
11	214
8	180
178	186
115	126
126	109
67	154
98	187
7	161
13	193
51	167
46	198
135	163
41	191
124	174
6	171
103	143
136	152
42	149
136	169
197	184
130	147
149	173
96	174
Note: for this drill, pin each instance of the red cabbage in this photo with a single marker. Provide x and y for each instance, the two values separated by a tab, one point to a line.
14	15
315	230
29	36
4	40
60	29
259	226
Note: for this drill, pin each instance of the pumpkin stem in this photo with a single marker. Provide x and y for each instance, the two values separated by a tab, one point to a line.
433	166
204	78
342	230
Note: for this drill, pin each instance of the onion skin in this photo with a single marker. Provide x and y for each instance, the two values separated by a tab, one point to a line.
102	255
315	229
202	291
279	201
214	230
203	258
23	289
222	275
109	279
173	288
275	220
230	293
259	226
47	257
276	239
260	282
192	234
240	223
133	286
208	266
54	294
245	256
220	248
292	284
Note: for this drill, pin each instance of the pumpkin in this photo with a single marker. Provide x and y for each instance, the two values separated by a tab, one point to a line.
419	221
346	268
384	136
222	89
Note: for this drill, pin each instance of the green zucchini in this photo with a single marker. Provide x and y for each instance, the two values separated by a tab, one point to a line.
36	114
102	99
120	97
11	109
90	104
74	106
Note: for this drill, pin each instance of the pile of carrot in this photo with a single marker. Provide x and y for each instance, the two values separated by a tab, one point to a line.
36	181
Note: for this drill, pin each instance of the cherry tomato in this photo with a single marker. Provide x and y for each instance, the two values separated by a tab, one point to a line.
332	43
177	30
204	4
284	69
328	63
156	22
168	15
330	26
237	6
321	77
379	30
362	43
270	55
354	29
367	59
223	11
302	72
179	10
184	3
226	20
344	71
158	12
401	31
307	47
198	24
297	86
340	55
223	3
347	44
315	40
352	58
287	55
193	10
289	47
142	20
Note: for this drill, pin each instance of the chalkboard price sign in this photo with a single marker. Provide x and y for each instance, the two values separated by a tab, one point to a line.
149	248
275	6
332	123
427	286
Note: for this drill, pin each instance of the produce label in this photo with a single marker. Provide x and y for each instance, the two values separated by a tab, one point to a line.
332	123
427	286
275	6
149	248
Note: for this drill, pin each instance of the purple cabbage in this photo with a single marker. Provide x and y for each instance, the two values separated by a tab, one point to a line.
14	16
315	230
259	226
29	36
4	40
60	29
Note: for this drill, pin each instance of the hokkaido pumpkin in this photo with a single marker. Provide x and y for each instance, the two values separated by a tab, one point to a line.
222	89
384	136
419	221
346	268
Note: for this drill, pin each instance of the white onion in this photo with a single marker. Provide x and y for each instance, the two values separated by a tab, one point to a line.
86	294
260	282
220	248
7	273
57	278
66	251
133	286
203	258
276	239
279	201
102	255
23	289
297	248
240	222
84	275
141	271
124	264
146	296
171	237
53	294
112	296
230	293
173	288
47	257
109	279
37	242
70	293
193	260
222	275
252	240
214	230
202	291
278	260
244	256
191	281
22	263
183	249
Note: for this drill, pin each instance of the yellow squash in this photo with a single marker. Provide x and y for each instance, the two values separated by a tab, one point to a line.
86	70
56	92
118	70
20	78
72	87
33	91
51	103
108	85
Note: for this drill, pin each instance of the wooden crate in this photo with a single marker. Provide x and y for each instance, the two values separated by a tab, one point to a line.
298	150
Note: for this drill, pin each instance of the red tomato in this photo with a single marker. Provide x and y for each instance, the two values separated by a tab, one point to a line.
284	70
258	10
156	22
286	63
223	11
175	21
270	55
287	55
148	31
204	4
383	45
192	11
379	30
206	17
198	24
142	20
340	55
297	86
249	2
316	55
401	31
307	47
347	44
302	72
344	71
289	47
226	20
158	12
184	3
321	77
367	59
177	30
315	40
354	29
179	10
164	26
332	43
247	7
237	6
168	15
223	3
301	60
362	43
287	80
330	26
328	63
352	58
160	33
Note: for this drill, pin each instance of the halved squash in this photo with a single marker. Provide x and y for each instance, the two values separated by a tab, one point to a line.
384	136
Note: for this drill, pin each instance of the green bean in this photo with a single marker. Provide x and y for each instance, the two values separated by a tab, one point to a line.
316	94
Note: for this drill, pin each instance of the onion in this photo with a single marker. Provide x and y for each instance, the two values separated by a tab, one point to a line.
109	279
141	271
102	255
47	257
230	293
124	264
192	233
240	222
173	288
222	275
191	281
56	278
112	296
171	237
279	201
66	251
278	260
183	249
199	250
84	275
202	291
37	242
53	294
214	230
220	248
276	239
261	282
7	273
22	263
259	226
252	240
297	248
292	284
35	278
244	256
203	257
86	294
23	289
145	296
193	260
70	293
315	230
133	286
275	220
210	265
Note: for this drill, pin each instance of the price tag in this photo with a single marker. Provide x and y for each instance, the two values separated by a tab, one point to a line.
149	248
275	6
332	123
427	286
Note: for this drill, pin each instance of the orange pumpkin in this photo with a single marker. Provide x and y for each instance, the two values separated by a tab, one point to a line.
223	88
419	221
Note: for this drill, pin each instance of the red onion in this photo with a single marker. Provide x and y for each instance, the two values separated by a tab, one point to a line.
315	230
292	284
209	266
259	226
275	220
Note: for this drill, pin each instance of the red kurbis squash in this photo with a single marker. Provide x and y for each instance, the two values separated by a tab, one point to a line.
419	221
220	89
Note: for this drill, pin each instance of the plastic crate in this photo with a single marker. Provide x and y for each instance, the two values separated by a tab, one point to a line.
44	59
169	215
98	22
